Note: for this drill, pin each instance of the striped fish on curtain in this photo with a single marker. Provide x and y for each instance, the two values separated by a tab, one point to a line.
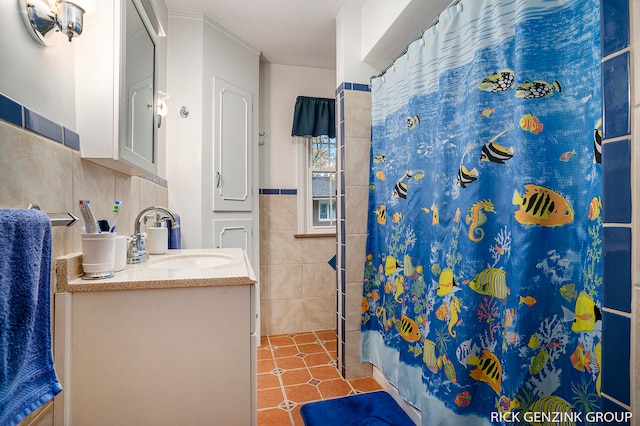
482	284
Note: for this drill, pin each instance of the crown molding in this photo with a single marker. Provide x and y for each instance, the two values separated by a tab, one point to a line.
196	16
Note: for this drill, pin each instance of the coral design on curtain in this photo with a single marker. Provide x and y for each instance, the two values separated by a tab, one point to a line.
482	284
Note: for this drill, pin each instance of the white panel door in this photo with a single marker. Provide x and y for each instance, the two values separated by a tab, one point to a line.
234	233
238	233
232	174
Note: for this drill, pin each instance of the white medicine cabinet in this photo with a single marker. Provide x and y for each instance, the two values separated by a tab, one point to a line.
117	69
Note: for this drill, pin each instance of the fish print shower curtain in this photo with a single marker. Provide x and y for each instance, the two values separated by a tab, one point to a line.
482	283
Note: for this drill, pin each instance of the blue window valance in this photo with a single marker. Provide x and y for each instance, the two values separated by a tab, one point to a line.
314	117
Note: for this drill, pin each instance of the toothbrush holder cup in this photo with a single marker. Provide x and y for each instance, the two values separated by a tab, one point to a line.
98	255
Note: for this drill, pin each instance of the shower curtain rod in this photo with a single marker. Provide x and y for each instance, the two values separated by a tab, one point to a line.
406	49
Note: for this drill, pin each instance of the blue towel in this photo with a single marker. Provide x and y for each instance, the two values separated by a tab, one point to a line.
27	375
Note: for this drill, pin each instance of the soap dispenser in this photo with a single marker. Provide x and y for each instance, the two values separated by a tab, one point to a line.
157	237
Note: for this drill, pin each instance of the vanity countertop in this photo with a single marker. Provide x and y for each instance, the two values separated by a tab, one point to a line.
143	276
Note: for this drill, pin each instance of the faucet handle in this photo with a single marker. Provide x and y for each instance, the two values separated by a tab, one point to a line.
136	251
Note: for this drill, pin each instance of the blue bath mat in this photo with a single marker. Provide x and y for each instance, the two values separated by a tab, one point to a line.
365	409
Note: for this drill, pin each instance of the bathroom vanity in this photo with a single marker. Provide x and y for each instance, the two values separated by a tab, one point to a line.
166	342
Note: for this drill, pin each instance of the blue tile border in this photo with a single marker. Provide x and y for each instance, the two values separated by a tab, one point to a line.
277	191
268	191
616	265
10	110
614	25
616	182
42	125
616	202
361	87
616	94
616	361
617	414
353	86
71	139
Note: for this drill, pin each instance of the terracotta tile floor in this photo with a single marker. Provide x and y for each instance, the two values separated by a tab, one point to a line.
294	369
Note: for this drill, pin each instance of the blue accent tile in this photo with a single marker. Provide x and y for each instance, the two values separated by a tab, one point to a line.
342	113
616	332
340	88
71	139
269	191
332	262
42	125
614	25
361	87
616	265
10	111
288	191
348	86
616	182
615	96
622	416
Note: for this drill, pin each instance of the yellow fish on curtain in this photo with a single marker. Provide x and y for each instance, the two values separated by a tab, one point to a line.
475	129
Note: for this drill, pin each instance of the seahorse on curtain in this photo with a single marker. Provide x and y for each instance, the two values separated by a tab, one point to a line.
477	217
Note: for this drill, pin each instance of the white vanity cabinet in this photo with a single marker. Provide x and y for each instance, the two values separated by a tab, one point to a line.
182	355
118	75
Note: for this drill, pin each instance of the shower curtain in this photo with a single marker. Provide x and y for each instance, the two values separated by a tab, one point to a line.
482	282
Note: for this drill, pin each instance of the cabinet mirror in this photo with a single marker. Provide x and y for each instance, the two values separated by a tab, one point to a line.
138	131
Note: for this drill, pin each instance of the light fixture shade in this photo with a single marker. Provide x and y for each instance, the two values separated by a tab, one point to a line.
89	6
70	19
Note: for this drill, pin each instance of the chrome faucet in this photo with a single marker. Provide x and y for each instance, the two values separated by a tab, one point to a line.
137	252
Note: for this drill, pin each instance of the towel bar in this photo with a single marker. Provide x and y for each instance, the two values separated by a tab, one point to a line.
57	219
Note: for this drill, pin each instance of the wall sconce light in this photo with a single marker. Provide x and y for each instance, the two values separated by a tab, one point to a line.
163	109
45	17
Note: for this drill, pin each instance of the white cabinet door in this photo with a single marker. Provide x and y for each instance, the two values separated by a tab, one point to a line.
232	174
234	233
174	356
238	233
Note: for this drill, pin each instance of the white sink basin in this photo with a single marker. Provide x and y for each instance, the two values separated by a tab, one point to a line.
191	261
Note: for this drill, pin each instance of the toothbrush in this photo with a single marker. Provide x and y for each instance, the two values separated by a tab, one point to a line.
85	217
88	217
94	221
92	218
116	211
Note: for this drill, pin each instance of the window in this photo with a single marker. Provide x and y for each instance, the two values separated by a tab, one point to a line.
326	211
317	189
